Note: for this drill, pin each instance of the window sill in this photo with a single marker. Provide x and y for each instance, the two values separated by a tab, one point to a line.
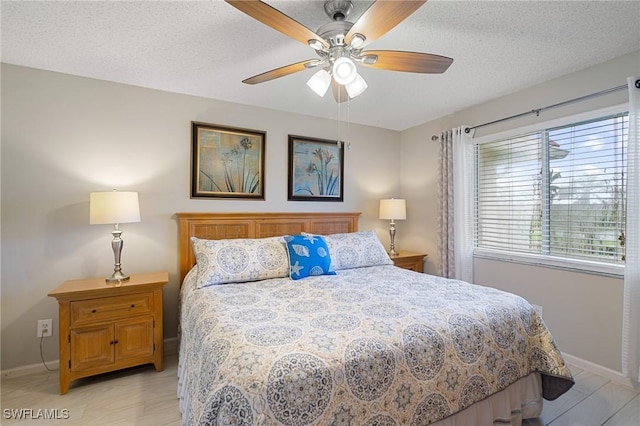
573	265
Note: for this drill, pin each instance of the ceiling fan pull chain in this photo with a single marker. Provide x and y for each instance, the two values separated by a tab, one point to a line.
348	139
339	114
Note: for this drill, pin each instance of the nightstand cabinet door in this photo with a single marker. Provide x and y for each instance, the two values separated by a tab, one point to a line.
92	347
134	339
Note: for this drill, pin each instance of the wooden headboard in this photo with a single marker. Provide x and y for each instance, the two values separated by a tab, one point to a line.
218	226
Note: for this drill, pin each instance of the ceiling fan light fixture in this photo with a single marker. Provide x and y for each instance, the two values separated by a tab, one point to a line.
357	40
357	86
344	70
320	82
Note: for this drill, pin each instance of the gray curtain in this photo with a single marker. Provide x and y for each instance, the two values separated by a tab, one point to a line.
446	261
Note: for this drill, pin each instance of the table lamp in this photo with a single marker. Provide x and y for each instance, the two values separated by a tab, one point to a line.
393	209
114	208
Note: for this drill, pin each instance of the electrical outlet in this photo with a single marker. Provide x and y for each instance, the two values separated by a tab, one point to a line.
44	328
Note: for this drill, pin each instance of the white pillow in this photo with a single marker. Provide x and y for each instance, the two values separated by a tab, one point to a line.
239	260
356	250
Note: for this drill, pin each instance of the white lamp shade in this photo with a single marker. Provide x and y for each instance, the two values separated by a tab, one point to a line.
344	70
113	207
393	209
357	86
320	82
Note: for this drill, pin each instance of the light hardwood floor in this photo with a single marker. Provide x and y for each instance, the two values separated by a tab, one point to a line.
136	396
141	396
592	401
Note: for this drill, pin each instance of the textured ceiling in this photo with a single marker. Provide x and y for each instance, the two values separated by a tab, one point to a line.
206	48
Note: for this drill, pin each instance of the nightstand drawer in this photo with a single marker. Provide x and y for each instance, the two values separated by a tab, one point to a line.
108	308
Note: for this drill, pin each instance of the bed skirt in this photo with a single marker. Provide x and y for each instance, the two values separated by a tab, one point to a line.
509	407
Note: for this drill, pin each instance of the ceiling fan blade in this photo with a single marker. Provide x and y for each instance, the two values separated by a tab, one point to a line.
381	17
276	20
279	72
339	92
395	60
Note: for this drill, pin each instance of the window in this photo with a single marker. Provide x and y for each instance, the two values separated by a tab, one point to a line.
555	194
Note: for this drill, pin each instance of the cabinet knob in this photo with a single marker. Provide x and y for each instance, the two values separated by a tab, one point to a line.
133	306
93	311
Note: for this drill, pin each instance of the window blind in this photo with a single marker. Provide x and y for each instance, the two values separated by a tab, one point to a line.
556	192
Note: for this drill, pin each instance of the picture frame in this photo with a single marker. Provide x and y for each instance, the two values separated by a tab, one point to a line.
316	169
227	162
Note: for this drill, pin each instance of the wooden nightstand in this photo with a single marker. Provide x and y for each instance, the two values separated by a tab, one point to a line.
409	260
106	326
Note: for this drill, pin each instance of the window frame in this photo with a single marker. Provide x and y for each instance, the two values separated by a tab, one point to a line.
584	266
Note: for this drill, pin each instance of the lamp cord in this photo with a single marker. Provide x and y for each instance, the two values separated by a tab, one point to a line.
42	356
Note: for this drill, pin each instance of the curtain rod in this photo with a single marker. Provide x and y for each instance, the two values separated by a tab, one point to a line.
559	104
539	110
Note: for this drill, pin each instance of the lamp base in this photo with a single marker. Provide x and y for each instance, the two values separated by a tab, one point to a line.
117	277
116	245
392	234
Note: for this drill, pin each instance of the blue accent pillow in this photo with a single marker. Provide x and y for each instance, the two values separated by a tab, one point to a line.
308	255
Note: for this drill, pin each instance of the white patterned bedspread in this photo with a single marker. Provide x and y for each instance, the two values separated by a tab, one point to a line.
369	346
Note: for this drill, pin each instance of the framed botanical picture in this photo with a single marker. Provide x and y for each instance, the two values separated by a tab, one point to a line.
227	162
316	169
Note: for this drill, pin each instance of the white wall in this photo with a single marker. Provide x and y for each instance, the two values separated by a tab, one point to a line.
584	312
65	136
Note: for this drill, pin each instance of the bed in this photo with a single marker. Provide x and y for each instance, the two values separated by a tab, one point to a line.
360	342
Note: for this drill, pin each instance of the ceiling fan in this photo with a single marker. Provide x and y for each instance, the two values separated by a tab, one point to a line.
339	45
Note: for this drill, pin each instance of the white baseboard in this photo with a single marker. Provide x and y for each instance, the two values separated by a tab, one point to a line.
29	369
615	376
170	348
